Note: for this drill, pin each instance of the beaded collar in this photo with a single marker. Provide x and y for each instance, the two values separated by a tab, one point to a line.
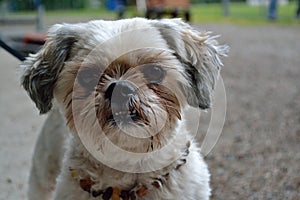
138	190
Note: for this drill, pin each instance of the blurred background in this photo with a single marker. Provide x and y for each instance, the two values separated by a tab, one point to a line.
258	153
235	11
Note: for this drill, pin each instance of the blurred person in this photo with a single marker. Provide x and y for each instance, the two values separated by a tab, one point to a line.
298	10
272	10
120	7
37	3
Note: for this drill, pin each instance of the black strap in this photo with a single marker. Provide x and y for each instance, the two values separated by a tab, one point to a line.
11	50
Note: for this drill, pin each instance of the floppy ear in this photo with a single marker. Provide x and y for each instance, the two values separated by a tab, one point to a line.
199	53
41	70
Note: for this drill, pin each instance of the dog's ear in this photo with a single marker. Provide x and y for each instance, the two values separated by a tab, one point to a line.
41	70
200	55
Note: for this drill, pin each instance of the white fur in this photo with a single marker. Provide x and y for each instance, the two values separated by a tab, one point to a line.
190	182
60	148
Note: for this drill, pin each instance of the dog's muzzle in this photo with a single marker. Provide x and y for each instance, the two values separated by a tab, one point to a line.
121	97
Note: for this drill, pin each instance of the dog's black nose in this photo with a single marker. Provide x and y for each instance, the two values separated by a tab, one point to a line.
120	92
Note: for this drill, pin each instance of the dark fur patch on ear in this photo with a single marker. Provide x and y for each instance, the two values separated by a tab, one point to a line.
197	92
39	84
42	69
199	54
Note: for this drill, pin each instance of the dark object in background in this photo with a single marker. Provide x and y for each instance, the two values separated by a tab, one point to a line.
21	46
157	8
34	38
11	51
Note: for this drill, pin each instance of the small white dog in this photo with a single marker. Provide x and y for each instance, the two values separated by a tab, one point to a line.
116	92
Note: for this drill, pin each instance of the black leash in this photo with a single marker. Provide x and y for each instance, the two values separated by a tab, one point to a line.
12	51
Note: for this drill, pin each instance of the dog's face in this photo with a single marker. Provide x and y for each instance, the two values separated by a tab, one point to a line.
127	80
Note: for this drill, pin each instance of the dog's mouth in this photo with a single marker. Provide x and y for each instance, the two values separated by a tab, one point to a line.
127	117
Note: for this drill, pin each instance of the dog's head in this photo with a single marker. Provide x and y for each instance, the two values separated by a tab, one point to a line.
127	80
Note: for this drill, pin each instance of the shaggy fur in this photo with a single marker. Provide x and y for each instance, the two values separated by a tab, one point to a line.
116	92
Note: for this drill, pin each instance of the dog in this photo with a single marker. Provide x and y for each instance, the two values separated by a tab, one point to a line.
115	93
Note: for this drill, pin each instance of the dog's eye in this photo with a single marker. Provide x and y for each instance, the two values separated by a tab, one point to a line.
88	78
153	73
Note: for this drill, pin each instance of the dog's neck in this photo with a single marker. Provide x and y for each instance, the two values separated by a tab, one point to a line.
86	180
83	166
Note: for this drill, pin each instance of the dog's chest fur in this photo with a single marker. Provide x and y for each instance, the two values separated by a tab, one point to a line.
84	175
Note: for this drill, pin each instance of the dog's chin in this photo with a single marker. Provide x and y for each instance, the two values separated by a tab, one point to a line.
125	117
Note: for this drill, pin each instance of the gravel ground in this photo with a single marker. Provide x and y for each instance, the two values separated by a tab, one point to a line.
258	153
257	156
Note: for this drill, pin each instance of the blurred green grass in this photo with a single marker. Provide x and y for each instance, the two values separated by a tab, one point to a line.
240	13
243	14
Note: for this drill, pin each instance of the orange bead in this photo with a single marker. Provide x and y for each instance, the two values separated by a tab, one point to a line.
116	194
142	191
